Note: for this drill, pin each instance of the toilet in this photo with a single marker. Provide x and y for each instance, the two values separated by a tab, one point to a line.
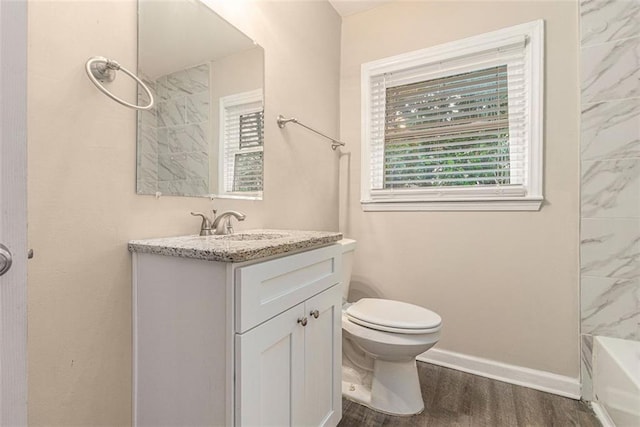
380	342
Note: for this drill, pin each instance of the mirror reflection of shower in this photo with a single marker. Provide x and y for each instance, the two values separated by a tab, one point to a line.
204	136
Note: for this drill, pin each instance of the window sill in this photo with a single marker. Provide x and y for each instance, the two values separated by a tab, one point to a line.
523	204
240	196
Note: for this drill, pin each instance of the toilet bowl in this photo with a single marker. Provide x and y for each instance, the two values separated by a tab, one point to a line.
380	341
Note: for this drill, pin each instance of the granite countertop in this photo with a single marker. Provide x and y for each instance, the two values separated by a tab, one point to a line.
238	247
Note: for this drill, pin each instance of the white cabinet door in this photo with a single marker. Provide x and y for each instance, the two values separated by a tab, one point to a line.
288	374
270	372
323	359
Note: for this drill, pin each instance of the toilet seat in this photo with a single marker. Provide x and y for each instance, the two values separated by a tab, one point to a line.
390	329
350	328
393	316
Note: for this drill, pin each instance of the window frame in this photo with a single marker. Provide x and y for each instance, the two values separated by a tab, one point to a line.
468	197
226	102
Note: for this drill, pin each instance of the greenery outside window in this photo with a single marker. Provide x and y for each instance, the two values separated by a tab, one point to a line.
456	126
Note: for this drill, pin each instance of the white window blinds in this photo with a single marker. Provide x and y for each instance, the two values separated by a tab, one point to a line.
453	124
251	129
241	141
459	121
247	173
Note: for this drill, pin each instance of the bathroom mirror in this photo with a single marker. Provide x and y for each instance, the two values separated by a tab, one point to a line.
204	134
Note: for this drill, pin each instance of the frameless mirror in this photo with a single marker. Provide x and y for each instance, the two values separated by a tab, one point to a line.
204	135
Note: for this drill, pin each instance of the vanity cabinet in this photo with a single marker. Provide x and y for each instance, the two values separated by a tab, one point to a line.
287	372
253	343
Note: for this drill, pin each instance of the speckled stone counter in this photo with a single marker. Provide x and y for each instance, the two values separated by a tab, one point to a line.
238	247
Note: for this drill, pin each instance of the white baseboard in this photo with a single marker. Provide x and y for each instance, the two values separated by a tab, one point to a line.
538	380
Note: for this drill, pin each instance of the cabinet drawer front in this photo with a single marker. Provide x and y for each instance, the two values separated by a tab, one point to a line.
266	289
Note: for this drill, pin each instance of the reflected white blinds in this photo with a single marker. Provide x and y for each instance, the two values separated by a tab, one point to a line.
243	145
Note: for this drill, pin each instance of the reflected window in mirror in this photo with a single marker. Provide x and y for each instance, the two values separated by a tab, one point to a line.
241	145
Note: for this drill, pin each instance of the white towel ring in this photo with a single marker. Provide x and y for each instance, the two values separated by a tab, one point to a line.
101	69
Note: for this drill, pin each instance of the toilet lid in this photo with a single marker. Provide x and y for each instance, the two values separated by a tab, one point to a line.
392	315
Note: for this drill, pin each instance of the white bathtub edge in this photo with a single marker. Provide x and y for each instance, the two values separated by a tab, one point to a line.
513	374
602	415
622	353
616	380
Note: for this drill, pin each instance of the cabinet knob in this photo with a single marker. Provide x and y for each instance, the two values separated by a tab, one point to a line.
315	314
303	321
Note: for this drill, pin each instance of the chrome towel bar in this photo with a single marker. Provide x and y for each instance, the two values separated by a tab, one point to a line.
101	69
334	142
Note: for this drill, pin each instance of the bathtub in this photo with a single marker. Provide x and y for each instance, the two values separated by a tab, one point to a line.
616	379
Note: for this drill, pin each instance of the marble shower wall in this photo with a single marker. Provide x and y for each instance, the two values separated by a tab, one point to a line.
610	155
173	148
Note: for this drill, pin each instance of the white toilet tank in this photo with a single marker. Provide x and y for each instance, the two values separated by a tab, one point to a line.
348	248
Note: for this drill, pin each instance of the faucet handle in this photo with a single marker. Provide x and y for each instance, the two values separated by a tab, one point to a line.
204	216
205	227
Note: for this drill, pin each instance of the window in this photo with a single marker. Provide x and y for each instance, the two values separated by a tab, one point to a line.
241	145
457	126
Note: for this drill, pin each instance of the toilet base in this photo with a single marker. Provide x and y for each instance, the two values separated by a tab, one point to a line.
394	390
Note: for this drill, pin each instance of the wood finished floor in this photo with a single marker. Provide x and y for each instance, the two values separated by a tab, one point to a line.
454	398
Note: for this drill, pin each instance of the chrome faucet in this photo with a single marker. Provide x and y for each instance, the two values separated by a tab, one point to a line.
206	229
222	224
